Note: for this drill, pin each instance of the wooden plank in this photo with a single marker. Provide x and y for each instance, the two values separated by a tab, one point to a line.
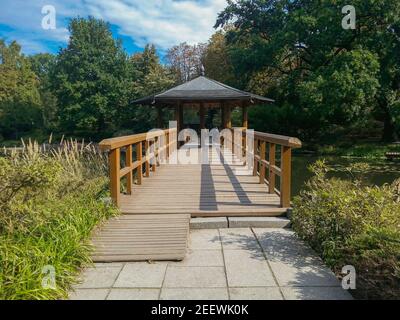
142	237
203	190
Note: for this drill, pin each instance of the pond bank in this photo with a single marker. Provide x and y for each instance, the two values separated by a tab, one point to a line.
380	171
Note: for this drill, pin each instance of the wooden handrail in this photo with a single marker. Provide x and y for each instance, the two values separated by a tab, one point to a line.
156	149
277	139
261	165
119	142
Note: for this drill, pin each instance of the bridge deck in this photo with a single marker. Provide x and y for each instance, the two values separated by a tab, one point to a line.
220	188
155	218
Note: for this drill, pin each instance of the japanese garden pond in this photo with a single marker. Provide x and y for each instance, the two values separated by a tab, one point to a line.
380	170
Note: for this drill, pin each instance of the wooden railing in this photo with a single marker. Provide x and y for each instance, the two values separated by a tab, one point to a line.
150	149
265	163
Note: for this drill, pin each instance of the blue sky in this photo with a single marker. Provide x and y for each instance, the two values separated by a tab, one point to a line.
137	22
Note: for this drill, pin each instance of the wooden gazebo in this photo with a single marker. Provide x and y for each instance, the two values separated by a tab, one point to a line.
204	93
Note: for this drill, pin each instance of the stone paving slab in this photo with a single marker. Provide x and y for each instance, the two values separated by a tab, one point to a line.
315	293
194	294
89	294
209	223
238	239
102	277
240	263
202	258
293	262
133	294
204	239
247	269
141	275
195	277
259	222
255	293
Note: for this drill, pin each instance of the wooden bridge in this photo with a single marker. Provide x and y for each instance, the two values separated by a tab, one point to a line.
159	186
228	177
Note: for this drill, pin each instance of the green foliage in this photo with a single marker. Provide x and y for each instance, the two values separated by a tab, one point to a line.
50	202
217	62
320	74
19	94
150	77
91	80
42	65
349	223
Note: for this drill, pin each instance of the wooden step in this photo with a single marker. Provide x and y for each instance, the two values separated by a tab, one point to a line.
141	238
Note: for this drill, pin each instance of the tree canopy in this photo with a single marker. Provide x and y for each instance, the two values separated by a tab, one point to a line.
326	80
320	73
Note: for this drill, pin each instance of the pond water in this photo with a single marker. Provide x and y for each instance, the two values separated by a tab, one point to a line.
380	170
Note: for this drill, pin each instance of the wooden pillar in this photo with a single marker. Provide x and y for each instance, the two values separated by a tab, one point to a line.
114	162
202	115
226	116
228	113
159	117
244	116
286	159
128	163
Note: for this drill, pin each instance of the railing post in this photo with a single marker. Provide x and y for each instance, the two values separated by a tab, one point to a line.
153	146
167	146
139	153
286	159
255	157
262	165
114	162
128	163
244	147
147	153
271	160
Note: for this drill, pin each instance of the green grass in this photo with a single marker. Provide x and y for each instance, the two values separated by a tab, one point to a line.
50	201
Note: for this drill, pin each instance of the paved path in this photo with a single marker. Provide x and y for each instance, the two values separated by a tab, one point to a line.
242	263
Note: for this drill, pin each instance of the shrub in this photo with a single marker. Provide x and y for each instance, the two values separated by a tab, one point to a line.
50	200
350	223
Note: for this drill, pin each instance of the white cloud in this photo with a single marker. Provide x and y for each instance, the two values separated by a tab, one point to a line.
162	22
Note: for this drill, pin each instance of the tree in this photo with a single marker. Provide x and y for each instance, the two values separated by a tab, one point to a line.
19	94
43	64
186	61
91	80
217	63
149	77
322	74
